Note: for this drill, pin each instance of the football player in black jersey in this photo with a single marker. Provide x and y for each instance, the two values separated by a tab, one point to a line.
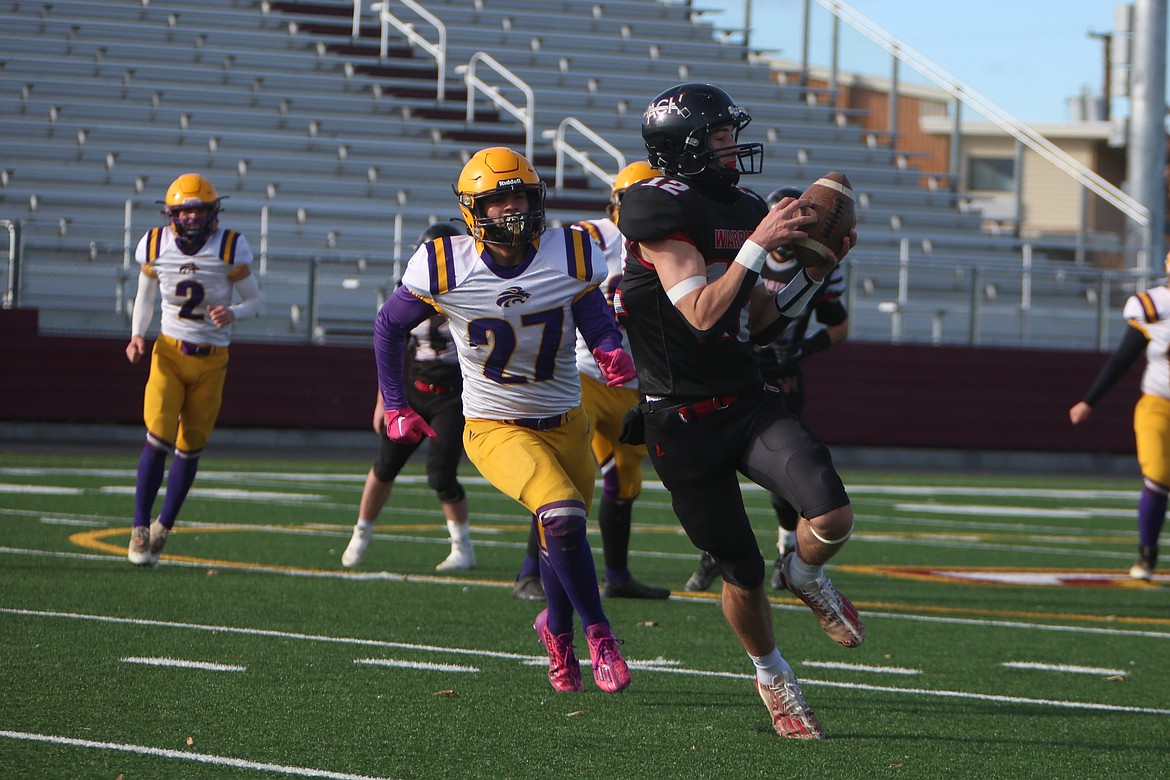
692	303
780	363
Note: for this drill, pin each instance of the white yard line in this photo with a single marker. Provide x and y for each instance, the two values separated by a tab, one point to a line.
175	663
666	669
186	755
1066	668
421	665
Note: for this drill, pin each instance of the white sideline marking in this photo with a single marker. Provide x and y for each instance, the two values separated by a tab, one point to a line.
176	663
529	658
423	665
647	484
72	521
859	667
1007	511
436	580
224	494
42	490
1065	668
202	758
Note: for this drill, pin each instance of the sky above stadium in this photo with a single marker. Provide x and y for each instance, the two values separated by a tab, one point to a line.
1027	57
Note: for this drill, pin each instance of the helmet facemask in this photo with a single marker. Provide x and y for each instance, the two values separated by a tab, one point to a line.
700	161
193	223
507	229
192	209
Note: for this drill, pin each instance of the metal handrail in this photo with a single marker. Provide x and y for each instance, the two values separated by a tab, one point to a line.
1123	202
525	115
564	148
12	289
438	49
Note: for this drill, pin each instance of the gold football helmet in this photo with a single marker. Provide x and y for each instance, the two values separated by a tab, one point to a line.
626	178
192	207
492	171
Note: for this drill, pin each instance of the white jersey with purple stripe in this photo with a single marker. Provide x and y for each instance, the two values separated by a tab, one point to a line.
514	327
606	235
191	284
1149	312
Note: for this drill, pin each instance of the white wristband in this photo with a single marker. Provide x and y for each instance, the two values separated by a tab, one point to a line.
751	256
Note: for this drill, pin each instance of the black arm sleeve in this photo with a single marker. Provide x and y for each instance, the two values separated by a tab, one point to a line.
1132	346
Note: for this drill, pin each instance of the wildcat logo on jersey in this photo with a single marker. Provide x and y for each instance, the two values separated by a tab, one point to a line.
188	268
511	296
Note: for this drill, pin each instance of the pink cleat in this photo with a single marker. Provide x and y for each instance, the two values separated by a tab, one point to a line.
564	670
609	668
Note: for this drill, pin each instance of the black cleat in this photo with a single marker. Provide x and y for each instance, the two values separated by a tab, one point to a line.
632	589
528	588
703	577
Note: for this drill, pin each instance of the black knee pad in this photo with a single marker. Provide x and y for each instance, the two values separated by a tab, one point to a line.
745	573
785	512
450	493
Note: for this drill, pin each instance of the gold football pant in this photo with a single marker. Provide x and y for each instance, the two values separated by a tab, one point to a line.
183	394
606	406
533	467
1151	428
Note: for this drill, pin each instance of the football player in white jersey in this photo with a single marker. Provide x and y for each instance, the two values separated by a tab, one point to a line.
195	266
1148	315
621	464
515	295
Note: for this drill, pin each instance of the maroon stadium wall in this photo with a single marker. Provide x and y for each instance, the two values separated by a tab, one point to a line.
859	394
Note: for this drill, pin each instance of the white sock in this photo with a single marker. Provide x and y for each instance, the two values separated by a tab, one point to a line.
786	540
801	574
460	532
770	666
364	525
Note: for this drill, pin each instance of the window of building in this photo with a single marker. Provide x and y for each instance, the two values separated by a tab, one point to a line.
993	174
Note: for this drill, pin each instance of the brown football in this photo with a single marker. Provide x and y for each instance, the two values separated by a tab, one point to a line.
836	211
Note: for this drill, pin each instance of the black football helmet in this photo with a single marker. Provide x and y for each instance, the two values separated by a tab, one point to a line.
677	123
779	194
440	229
780	264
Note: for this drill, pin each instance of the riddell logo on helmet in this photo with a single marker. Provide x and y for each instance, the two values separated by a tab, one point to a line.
510	182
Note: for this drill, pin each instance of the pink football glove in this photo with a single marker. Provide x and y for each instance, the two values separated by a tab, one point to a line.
616	366
406	426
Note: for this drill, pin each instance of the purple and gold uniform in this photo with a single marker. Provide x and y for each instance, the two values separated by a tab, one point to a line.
189	363
195	267
1148	317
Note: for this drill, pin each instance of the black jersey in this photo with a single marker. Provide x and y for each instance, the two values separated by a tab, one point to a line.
671	358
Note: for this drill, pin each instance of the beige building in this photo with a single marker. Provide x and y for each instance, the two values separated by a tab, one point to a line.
1046	204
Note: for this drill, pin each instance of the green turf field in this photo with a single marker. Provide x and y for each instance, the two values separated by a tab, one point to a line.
1004	638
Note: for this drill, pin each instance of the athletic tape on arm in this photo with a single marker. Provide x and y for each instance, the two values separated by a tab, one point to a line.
795	296
685	286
